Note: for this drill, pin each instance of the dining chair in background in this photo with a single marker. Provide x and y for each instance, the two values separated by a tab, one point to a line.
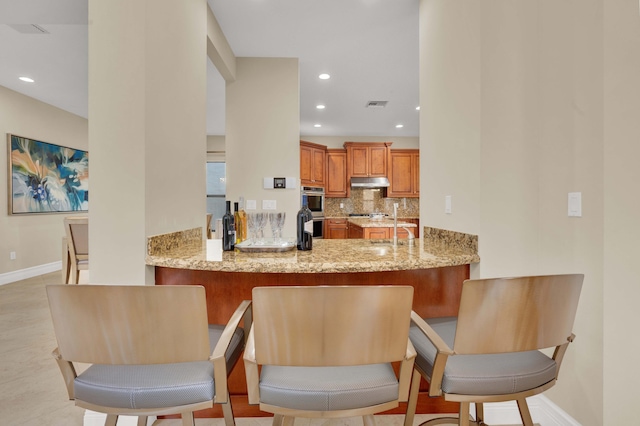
77	256
150	348
326	351
490	351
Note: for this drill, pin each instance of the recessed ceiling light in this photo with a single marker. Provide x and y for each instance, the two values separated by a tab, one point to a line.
27	79
317	125
418	108
320	106
324	76
399	126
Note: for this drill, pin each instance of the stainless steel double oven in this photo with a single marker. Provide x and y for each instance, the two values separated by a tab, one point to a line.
315	202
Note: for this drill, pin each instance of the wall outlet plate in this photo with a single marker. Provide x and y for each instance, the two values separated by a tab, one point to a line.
268	204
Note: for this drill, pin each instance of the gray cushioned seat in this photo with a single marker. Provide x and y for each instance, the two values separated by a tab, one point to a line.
493	374
328	388
155	386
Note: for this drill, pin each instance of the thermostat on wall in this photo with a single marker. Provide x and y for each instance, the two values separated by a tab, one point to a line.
279	183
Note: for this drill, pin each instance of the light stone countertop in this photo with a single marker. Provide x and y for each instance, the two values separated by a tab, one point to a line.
328	256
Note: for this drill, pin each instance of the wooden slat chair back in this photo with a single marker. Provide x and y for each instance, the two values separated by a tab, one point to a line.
301	333
77	232
147	330
130	324
501	321
516	314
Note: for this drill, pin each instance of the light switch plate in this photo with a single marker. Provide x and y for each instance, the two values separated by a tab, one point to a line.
268	204
575	204
447	204
251	205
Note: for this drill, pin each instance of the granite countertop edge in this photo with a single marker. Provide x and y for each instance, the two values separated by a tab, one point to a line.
327	256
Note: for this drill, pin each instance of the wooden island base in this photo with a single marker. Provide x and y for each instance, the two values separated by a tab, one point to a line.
436	294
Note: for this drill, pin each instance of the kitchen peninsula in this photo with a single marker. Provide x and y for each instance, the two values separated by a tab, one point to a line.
435	266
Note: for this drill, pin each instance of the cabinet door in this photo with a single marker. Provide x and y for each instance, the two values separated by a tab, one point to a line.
367	159
404	173
401	233
317	168
359	161
416	173
401	176
374	233
336	229
336	176
312	163
306	159
378	161
355	231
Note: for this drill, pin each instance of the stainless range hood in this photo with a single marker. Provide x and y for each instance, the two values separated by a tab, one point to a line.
369	182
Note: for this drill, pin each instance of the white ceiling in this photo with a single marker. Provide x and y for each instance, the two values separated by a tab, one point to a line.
370	48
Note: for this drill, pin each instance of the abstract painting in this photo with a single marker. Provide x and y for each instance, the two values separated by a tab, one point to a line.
46	178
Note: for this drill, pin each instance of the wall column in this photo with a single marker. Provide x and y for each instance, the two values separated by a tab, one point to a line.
263	133
511	121
147	129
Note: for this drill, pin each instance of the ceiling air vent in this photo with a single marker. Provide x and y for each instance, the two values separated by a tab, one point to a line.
377	104
29	29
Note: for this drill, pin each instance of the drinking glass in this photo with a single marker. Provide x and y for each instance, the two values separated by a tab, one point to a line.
276	220
273	221
252	224
261	221
280	223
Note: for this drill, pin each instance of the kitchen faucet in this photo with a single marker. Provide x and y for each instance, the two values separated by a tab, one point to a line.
395	224
395	228
411	238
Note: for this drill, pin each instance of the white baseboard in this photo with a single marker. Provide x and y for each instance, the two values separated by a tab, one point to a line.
92	418
34	271
554	415
543	412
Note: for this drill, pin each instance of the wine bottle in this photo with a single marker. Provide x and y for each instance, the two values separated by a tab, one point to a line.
304	226
237	222
242	226
228	231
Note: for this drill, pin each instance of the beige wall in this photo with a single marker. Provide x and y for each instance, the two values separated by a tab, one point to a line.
450	114
147	129
34	238
511	121
621	210
262	140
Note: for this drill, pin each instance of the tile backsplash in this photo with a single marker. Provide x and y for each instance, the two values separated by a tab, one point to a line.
366	201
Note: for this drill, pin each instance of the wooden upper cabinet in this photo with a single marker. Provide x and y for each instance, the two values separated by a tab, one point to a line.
312	163
404	173
367	159
336	184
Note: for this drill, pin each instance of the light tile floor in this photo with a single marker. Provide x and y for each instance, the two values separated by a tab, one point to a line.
32	391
